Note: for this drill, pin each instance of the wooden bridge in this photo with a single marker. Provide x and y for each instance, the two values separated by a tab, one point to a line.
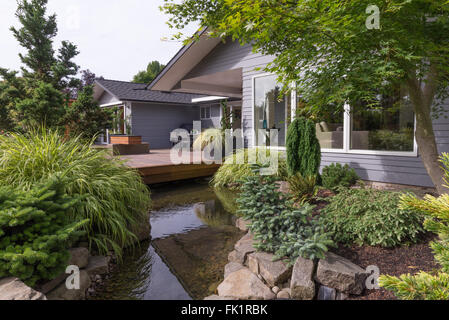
157	167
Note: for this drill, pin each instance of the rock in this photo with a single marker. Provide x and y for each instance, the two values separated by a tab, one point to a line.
275	290
326	293
97	265
235	256
273	272
283	294
341	296
302	286
245	246
286	285
62	293
50	285
242	224
244	285
215	297
143	229
79	257
341	274
232	267
14	289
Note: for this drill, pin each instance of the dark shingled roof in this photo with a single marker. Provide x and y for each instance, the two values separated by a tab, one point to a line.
129	91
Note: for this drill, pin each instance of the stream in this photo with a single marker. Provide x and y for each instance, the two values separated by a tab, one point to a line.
192	233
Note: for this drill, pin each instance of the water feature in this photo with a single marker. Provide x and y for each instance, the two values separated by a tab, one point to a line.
192	232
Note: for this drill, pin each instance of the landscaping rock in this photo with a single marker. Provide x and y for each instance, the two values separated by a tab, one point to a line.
50	285
326	293
341	296
215	297
273	272
302	286
341	274
242	224
62	293
235	256
79	257
245	285
275	290
245	246
14	289
283	294
232	267
97	265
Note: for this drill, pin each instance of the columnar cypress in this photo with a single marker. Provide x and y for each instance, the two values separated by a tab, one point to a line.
303	148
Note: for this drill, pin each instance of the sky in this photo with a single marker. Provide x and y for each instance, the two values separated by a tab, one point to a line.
116	38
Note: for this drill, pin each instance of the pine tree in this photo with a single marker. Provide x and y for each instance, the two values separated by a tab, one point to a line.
153	69
303	148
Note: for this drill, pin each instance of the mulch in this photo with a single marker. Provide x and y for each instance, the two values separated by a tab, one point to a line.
396	261
405	259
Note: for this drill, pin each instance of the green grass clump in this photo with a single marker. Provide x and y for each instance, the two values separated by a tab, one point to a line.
231	175
114	198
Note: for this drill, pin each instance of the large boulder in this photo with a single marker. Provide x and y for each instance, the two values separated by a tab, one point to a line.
242	224
232	267
244	285
302	286
14	289
245	246
215	297
341	274
97	265
63	293
273	272
79	257
236	256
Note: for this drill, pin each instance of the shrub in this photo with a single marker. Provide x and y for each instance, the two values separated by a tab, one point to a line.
277	226
303	148
425	286
336	175
114	196
302	188
35	231
209	136
231	174
370	217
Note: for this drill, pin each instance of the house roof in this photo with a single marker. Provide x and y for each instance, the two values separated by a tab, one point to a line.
184	61
129	91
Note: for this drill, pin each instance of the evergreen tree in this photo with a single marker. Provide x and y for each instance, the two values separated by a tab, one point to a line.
303	148
85	117
153	69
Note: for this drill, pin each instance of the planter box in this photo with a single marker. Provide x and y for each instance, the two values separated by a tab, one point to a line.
123	139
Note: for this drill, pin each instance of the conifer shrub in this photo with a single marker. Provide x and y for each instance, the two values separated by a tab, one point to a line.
113	196
303	148
370	217
336	176
427	286
36	232
278	227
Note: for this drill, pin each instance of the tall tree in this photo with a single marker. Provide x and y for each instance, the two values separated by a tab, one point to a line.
341	51
153	69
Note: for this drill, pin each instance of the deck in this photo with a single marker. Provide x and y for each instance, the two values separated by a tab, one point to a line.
156	167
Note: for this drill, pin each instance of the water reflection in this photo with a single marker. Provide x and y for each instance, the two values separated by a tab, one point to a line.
192	233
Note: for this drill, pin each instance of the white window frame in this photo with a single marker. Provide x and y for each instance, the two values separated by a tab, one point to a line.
347	124
201	112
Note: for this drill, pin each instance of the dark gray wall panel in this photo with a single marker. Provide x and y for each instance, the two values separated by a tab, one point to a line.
155	122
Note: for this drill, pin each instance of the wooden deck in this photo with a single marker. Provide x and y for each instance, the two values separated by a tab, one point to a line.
157	167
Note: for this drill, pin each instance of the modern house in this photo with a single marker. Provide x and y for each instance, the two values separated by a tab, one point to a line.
155	114
379	144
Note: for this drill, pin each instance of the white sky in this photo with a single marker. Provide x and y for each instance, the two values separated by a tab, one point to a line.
116	38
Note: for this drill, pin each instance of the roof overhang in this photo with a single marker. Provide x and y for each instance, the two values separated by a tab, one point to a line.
184	61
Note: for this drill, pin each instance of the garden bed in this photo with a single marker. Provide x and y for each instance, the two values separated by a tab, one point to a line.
395	262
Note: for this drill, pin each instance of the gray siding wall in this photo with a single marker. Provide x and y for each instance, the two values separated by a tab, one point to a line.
155	122
390	169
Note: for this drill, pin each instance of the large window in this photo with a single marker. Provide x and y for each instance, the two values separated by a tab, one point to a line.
271	110
387	129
